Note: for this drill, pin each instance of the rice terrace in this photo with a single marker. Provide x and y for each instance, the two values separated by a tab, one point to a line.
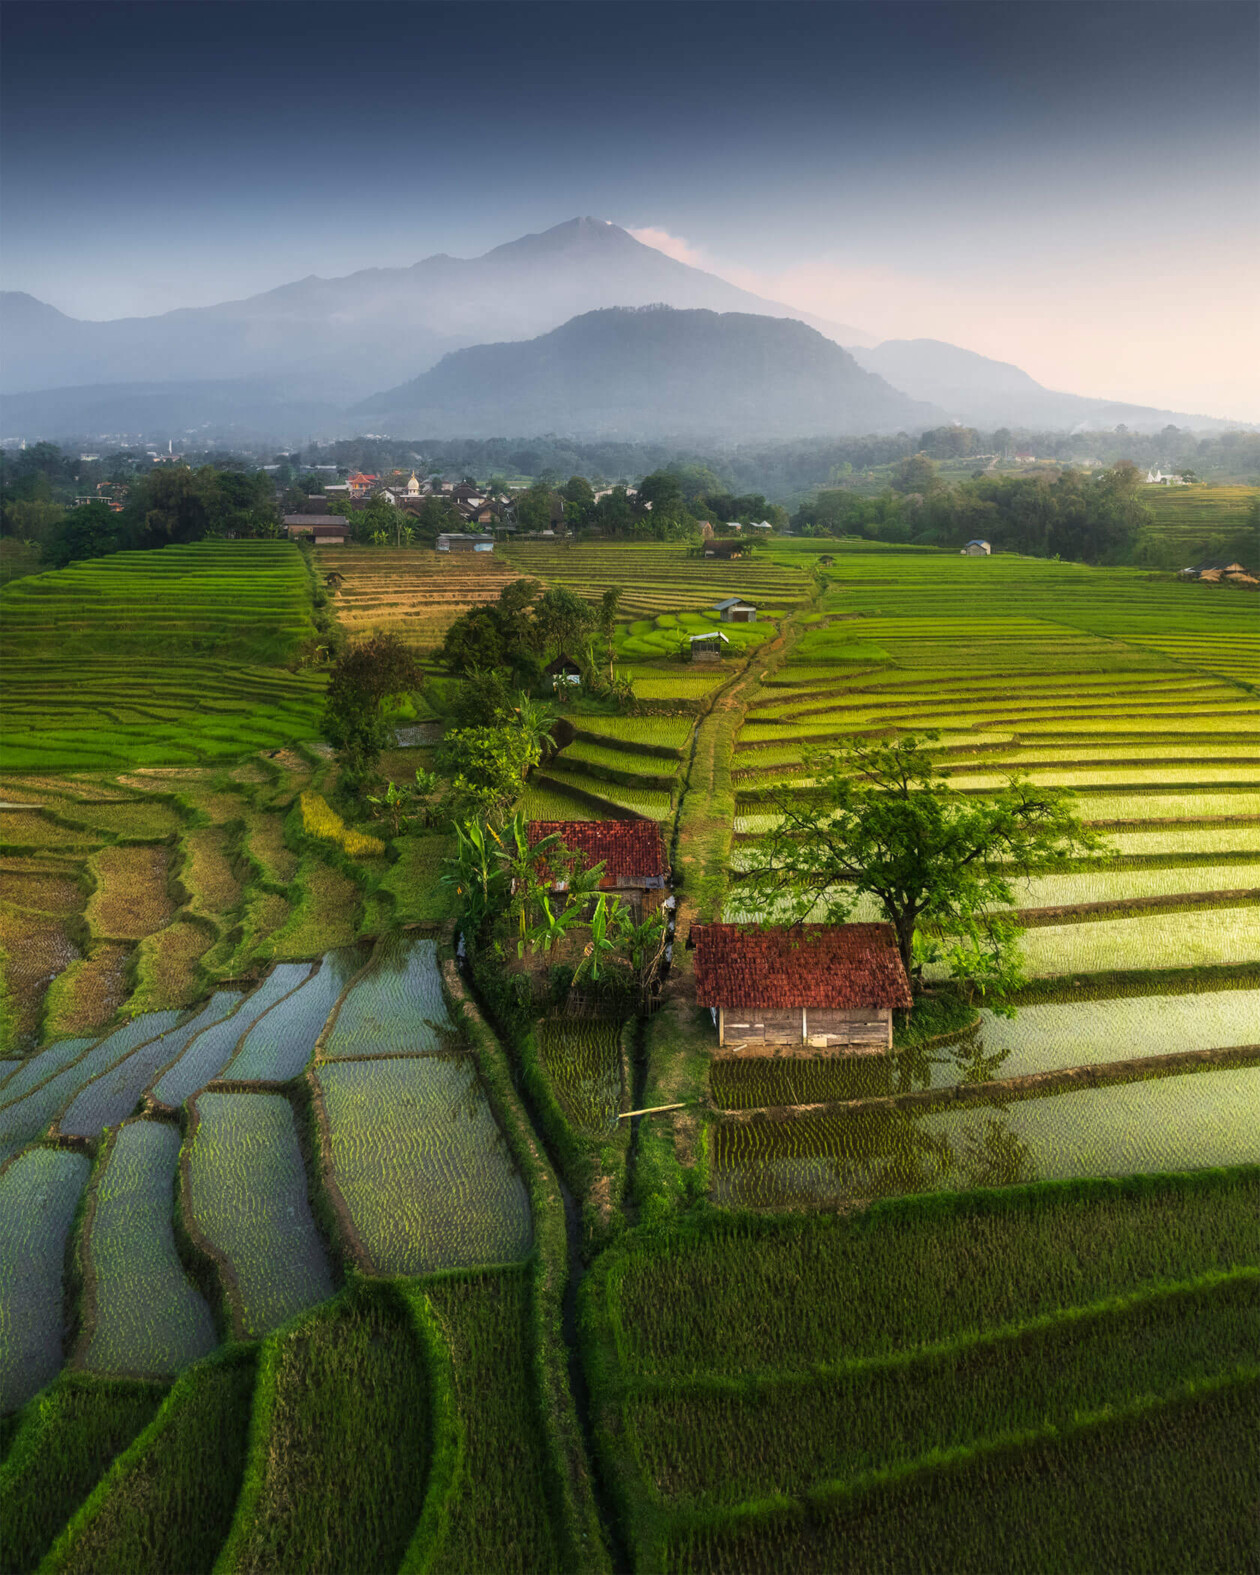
362	1211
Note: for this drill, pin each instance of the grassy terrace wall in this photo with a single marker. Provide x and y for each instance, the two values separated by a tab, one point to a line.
779	1393
163	657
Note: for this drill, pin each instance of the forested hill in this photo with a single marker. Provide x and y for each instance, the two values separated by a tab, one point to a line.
651	371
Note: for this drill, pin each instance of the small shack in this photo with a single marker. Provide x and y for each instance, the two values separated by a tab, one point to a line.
325	530
707	647
714	548
800	990
564	670
456	541
631	851
977	549
734	609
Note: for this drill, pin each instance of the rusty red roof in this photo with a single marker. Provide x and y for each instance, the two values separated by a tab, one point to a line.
840	965
625	847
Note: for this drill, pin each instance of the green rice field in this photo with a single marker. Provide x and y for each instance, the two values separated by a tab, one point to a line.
422	1164
39	1193
582	1060
145	1316
396	1008
315	1255
247	1194
81	688
826	1159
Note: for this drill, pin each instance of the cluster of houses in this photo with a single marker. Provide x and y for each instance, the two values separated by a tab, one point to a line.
480	509
807	989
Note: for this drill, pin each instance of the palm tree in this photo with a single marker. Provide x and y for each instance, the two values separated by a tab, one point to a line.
535	720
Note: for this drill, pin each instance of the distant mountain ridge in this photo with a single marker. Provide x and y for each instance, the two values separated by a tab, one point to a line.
338	339
286	364
647	372
979	392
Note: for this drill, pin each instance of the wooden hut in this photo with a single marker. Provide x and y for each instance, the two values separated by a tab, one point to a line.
707	647
810	988
734	609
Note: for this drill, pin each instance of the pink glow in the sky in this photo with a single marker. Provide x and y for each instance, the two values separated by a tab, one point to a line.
1180	329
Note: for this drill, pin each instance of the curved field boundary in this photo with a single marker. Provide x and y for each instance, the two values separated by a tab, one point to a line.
41	1199
111	1096
220	1048
445	1431
576	1516
86	1250
138	1504
878	1491
231	1288
1028	1086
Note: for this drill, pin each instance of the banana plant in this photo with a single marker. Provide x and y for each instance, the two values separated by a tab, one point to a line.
474	873
605	926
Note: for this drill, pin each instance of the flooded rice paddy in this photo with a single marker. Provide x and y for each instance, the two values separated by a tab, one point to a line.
248	1196
422	1164
1186	1122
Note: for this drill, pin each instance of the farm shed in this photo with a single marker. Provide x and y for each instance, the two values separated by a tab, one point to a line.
799	990
631	851
724	549
455	541
325	530
733	609
977	549
564	670
708	647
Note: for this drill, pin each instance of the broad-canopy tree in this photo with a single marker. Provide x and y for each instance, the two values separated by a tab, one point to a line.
882	821
365	676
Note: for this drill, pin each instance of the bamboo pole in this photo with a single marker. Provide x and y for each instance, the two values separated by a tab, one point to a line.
651	1111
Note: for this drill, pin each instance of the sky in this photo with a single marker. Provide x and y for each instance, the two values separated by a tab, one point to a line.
1071	185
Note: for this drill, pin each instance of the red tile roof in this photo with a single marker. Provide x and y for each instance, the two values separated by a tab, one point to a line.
839	965
626	848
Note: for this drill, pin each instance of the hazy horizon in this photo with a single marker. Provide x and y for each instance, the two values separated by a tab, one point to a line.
1067	187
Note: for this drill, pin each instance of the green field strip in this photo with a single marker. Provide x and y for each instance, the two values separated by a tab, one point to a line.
650	803
669	732
546	803
1184	1122
25	1118
167	1501
722	1445
907	1274
1153	940
142	1315
113	1095
499	1509
7	1068
282	1042
581	1058
1133	1490
618	766
422	1165
39	1194
396	1008
1127	885
341	1441
66	1440
246	1191
212	1049
1201	841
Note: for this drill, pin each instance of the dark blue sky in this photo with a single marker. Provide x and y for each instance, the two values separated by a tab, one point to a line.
164	154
